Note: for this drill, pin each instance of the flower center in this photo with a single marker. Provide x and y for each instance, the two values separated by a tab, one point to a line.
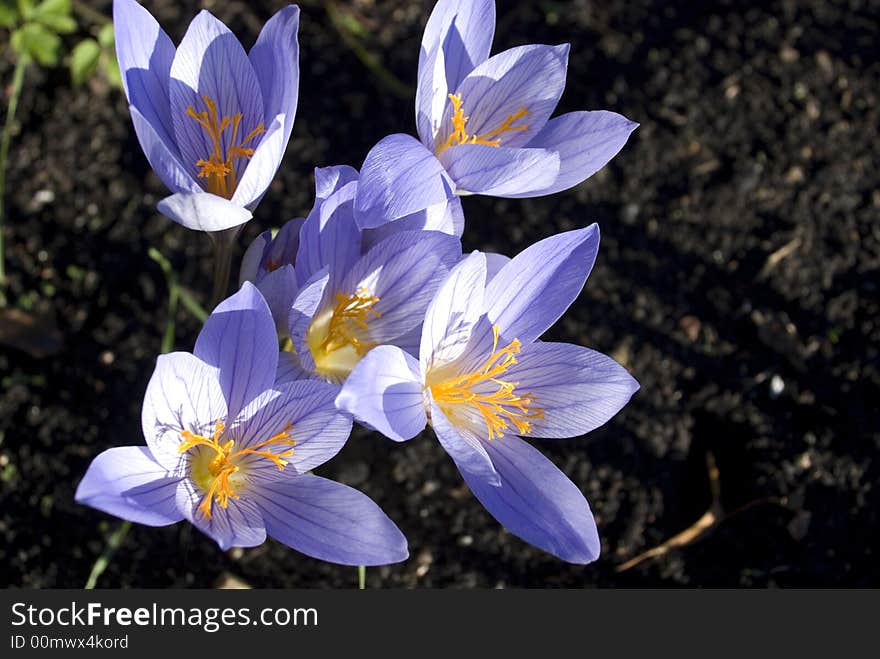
220	166
217	470
492	138
336	336
496	400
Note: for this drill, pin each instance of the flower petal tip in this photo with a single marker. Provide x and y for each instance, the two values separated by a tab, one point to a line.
203	211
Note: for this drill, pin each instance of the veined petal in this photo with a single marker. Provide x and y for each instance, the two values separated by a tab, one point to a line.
330	237
385	391
162	155
127	482
537	502
578	389
452	313
279	290
145	53
409	342
253	260
203	211
463	29
500	171
183	394
399	177
432	93
330	179
306	410
289	370
275	61
262	166
531	292
330	521
267	254
304	308
467	449
239	524
530	78
585	141
494	263
445	217
211	62
284	247
404	271
239	339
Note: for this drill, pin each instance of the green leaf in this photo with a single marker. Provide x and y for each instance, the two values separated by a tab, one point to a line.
25	7
111	70
59	24
38	42
105	36
84	60
8	13
55	15
56	7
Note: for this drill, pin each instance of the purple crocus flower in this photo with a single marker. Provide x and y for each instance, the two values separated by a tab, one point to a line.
230	450
484	122
269	261
213	120
483	379
347	290
351	303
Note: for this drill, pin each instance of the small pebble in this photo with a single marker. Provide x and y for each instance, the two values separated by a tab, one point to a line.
777	386
43	197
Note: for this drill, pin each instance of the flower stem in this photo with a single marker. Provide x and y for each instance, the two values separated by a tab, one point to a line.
167	344
362	577
224	242
104	559
17	84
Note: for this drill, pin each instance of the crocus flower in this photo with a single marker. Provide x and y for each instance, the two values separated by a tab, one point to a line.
213	120
351	303
482	380
230	449
269	260
484	122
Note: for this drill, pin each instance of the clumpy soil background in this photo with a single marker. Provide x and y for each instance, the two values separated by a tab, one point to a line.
737	280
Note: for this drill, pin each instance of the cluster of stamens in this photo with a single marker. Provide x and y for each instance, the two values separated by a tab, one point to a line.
349	319
219	168
492	138
503	409
224	462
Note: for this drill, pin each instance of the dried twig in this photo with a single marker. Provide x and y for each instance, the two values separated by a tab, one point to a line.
710	520
695	531
779	255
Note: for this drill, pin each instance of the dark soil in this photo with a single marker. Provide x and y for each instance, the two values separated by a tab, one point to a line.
759	133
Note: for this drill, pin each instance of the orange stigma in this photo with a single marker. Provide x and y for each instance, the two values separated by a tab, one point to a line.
492	138
219	473
219	168
502	409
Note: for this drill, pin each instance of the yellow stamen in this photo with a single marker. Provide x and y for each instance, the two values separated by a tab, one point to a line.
214	477
503	409
336	336
459	133
219	168
350	315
